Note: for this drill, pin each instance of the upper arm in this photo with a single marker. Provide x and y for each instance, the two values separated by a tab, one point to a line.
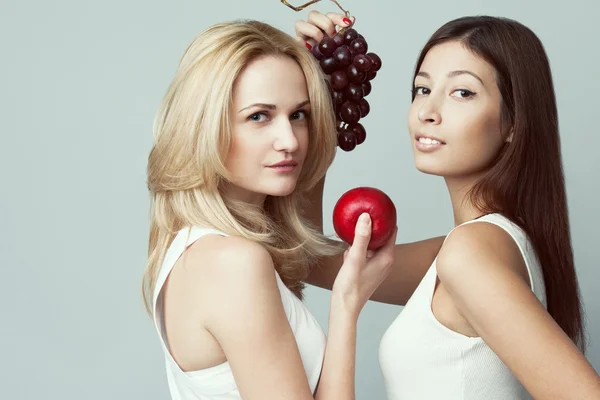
482	270
411	262
247	318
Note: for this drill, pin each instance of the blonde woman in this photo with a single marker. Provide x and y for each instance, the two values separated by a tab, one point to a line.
244	131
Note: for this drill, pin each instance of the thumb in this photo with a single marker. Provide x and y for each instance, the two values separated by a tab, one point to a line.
362	237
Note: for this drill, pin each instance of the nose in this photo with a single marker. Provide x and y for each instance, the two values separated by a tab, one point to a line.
285	137
429	112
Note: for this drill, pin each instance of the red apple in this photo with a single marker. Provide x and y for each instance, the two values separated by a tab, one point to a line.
372	201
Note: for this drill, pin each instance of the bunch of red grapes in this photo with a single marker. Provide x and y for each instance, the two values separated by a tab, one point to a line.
351	69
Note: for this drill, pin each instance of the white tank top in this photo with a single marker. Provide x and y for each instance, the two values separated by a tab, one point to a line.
217	383
422	359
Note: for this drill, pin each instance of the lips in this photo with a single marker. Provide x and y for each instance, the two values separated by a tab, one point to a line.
286	163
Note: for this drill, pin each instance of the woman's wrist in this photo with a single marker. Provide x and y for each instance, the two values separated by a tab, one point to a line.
344	307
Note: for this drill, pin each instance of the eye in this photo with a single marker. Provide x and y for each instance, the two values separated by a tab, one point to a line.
300	114
258	117
420	91
463	93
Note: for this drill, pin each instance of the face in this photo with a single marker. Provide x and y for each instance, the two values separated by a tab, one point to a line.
270	128
455	118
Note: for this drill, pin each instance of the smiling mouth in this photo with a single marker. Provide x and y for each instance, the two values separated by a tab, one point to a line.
428	140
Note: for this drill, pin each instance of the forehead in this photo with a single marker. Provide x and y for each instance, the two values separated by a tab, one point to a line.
454	56
270	79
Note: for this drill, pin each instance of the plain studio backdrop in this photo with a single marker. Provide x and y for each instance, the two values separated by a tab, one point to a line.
81	81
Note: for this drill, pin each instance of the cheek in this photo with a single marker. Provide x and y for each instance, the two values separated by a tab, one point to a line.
481	136
303	136
239	156
413	117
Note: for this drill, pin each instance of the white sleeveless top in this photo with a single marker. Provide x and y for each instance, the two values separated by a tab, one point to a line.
217	383
422	359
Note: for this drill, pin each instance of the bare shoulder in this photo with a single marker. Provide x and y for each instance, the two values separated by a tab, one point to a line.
218	270
481	249
215	254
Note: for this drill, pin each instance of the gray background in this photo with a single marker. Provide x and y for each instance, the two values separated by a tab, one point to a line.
80	83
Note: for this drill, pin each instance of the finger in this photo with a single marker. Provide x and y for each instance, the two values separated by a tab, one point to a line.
308	32
346	253
322	22
308	43
362	236
340	19
387	252
370	253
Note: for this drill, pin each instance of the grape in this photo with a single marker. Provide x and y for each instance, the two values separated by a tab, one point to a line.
338	99
371	75
346	140
327	46
316	52
339	40
354	92
362	62
350	68
343	56
358	46
328	65
364	106
366	86
354	75
350	35
375	60
339	80
350	112
359	132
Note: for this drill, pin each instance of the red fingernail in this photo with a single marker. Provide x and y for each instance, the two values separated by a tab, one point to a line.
308	46
347	21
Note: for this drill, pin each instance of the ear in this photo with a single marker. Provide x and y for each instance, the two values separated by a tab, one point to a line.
509	138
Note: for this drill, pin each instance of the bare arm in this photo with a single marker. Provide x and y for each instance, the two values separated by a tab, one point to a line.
489	288
355	283
411	262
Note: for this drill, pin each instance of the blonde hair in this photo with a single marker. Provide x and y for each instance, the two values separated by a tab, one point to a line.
192	134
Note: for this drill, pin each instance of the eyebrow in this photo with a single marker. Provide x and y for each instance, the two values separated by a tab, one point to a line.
453	74
272	106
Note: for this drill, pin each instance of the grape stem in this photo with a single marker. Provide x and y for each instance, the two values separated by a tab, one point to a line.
310	3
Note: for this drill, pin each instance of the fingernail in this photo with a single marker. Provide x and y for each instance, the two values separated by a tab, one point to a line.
364	218
308	46
347	21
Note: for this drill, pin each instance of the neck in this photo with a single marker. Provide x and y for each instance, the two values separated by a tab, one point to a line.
463	208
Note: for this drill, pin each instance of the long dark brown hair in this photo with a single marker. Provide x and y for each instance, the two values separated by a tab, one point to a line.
526	182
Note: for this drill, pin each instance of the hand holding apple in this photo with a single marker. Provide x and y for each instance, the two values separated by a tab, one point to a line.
372	201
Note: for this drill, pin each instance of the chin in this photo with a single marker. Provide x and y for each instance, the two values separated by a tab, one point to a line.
281	190
429	167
